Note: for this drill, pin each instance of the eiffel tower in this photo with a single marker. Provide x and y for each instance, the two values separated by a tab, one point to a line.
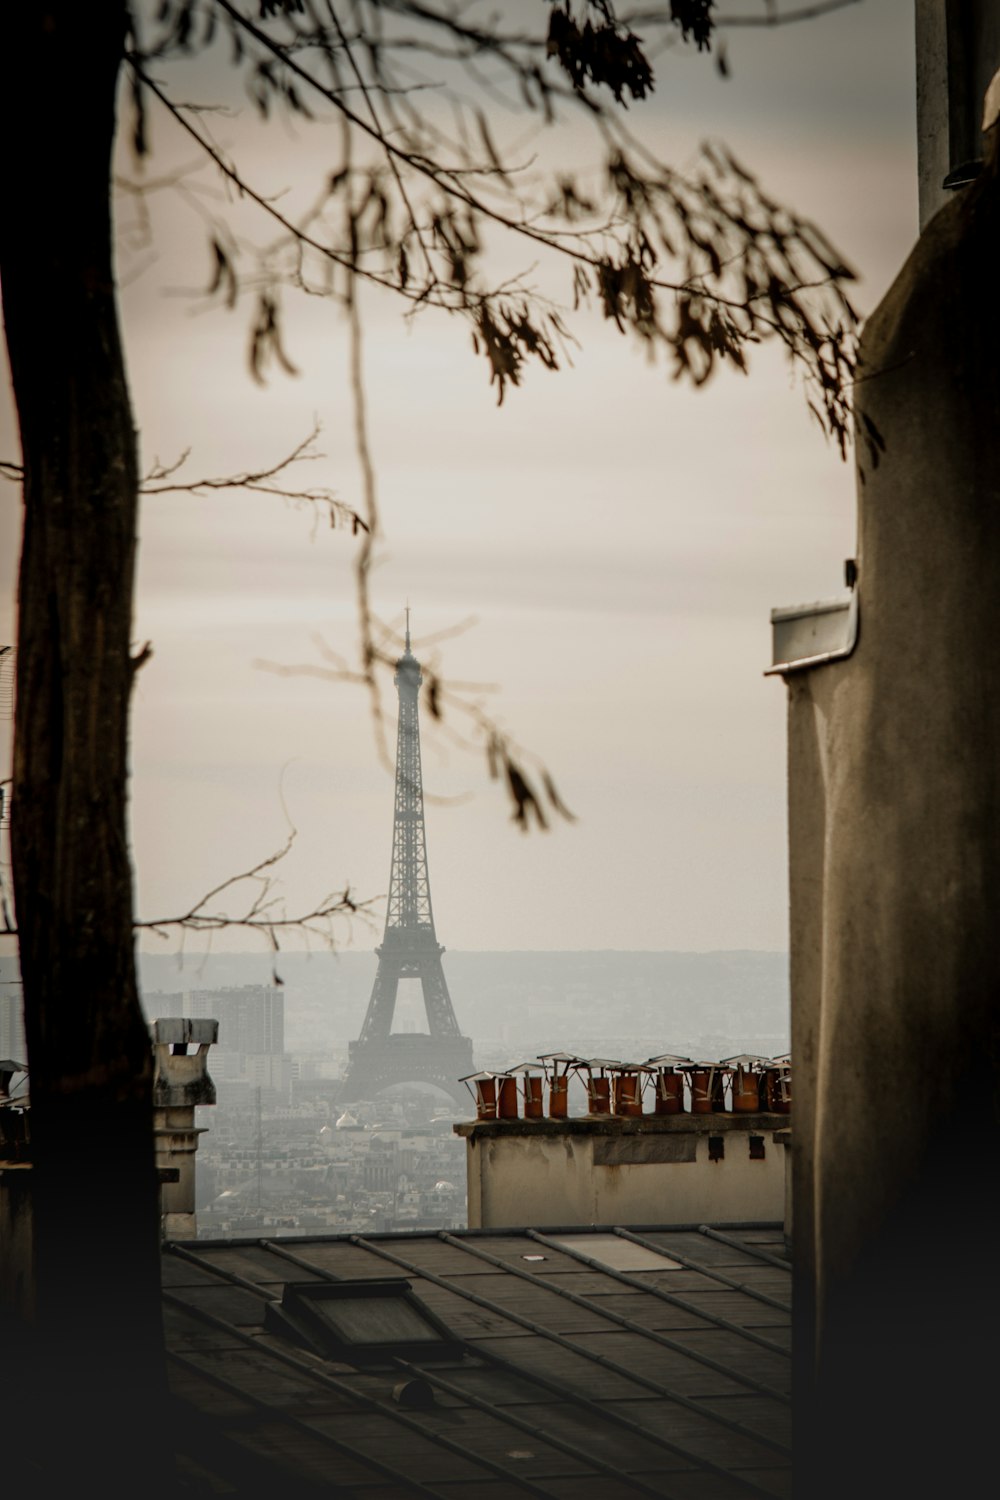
410	949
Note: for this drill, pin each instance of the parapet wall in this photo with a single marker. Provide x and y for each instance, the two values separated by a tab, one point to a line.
679	1169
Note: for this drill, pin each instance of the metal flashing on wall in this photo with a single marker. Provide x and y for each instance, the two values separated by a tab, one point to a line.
641	1150
810	635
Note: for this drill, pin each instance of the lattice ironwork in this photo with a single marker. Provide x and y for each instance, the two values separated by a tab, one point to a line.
409	949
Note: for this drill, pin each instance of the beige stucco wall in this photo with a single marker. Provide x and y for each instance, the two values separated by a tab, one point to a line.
519	1176
175	1139
894	802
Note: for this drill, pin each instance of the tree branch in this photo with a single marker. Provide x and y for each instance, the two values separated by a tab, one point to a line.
261	911
527	784
748	270
258	482
774	17
700	266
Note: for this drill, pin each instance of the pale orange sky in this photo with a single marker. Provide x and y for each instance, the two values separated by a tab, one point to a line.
619	539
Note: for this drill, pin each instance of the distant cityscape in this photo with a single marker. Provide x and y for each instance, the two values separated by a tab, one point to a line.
281	1156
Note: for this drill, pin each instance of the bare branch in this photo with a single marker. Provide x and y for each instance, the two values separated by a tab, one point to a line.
362	566
528	786
376	122
698	266
261	482
746	270
243	187
260	910
774	17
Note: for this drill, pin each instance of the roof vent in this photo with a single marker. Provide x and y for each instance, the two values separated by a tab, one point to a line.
417	1395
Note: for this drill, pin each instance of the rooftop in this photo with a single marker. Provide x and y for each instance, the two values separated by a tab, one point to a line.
570	1363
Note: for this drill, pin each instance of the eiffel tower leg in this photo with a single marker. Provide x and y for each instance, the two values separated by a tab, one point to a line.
382	1005
441	1019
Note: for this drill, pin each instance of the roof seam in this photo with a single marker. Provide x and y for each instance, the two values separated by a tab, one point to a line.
324	1438
606	1411
598	1359
360	1398
725	1239
183	1253
531	1428
672	1300
694	1265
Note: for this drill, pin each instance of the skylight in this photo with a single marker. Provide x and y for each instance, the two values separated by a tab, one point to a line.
615	1252
355	1321
382	1319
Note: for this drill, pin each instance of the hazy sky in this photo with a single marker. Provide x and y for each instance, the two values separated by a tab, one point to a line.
619	539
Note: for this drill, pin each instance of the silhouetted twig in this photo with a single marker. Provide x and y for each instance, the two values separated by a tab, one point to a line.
268	481
699	266
261	910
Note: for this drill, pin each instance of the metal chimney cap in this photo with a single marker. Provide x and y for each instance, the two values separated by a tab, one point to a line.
180	1030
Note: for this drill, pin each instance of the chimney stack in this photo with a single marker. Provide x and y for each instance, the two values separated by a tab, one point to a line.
180	1083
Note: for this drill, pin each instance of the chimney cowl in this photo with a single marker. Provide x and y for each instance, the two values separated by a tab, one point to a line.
180	1077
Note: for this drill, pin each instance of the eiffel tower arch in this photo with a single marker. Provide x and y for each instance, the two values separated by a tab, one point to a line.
409	948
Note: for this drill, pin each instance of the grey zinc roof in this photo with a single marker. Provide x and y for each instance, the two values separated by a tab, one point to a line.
620	1363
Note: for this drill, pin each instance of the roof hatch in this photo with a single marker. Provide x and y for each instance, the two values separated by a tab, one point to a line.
358	1322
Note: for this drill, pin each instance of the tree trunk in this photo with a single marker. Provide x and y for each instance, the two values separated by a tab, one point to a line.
93	1353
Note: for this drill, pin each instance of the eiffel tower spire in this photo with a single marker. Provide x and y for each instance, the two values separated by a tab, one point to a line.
409	949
